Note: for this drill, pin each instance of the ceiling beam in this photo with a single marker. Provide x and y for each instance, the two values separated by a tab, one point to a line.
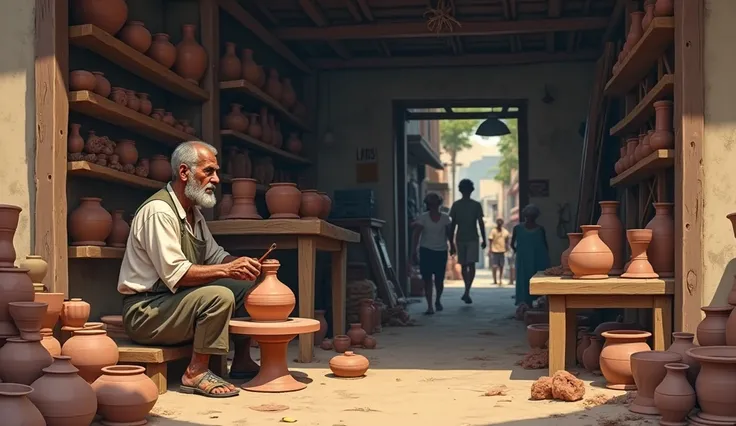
577	38
616	16
353	9
366	9
315	13
554	12
419	29
266	12
417	116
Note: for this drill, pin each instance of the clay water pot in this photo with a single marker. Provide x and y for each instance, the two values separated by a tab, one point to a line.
81	80
102	84
294	144
661	252
136	35
663	137
28	317
21	361
273	86
664	8
312	204
640	148
225	205
120	230
250	71
288	95
37	267
341	343
16	408
160	168
356	334
54	302
162	51
611	233
592	354
582	346
648	370
255	129
615	362
536	316
191	58
89	224
635	30
349	364
682	342
715	383
62	397
266	133
573	238
283	200
320	335
118	96
9	216
369	342
90	351
49	342
591	258
146	105
75	141
125	395
712	330
74	313
639	266
132	100
648	14
271	300
109	15
15	286
230	66
537	335
326	345
326	206
126	151
235	119
675	396
365	314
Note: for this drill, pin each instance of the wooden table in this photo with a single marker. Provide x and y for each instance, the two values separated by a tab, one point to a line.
565	295
306	236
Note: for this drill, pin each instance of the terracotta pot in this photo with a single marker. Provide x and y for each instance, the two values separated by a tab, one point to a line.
591	258
615	360
682	342
537	335
160	168
102	84
611	233
62	397
662	138
326	345
661	252
283	201
365	314
266	133
675	396
118	96
235	119
631	144
635	30
312	203
341	343
648	370
369	342
244	194
273	86
126	151
712	330
326	206
639	266
664	8
647	148
21	361
270	300
294	144
75	141
49	342
573	238
230	67
9	216
250	71
81	80
648	15
28	317
639	151
356	334
536	316
125	395
582	346
15	286
91	350
162	51
16	408
320	335
191	58
110	15
255	129
120	230
288	95
37	267
715	383
54	303
146	105
136	35
225	205
74	313
90	223
169	119
349	364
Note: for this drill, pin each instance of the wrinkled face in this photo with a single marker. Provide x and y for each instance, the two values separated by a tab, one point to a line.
202	181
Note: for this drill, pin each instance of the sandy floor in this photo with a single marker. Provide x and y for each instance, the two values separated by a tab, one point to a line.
433	374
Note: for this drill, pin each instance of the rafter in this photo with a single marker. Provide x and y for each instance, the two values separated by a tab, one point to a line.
266	12
574	42
315	13
353	9
554	12
366	9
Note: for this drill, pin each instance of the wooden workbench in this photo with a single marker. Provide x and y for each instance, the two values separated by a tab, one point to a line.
306	236
565	295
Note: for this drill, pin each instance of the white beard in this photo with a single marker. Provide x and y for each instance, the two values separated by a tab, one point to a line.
198	194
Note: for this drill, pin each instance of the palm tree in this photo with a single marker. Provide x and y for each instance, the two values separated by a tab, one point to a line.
455	137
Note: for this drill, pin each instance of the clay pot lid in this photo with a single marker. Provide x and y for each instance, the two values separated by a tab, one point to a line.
88	332
19	340
717	309
14	389
657	356
62	365
683	335
123	370
538	327
715	354
626	334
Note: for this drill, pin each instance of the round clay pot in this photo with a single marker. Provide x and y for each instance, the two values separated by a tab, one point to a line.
365	314
294	144
15	286
648	370
635	31
136	35
661	252
160	168
126	151
639	266
91	350
244	194
74	313
312	204
9	216
712	330
120	230
271	300
16	408
664	8
326	205
225	205
612	233
715	383
62	397
356	334
102	84
283	200
191	58
682	342
369	342
648	15
54	302
591	258
349	364
255	129
662	138
146	105
326	345
230	66
82	80
537	335
109	15
236	120
75	141
21	361
582	346
273	86
125	395
573	238
49	342
37	267
28	317
639	152
674	397
288	95
341	343
615	362
320	335
89	224
536	316
162	51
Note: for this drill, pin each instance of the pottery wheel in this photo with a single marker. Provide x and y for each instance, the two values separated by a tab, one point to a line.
273	339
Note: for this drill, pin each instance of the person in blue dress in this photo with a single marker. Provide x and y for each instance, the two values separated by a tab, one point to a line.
529	243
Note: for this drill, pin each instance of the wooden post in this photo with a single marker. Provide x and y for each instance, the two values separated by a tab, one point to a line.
209	17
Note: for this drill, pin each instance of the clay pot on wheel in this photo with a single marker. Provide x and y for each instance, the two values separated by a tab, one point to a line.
15	286
612	233
283	200
16	408
574	238
349	364
537	335
714	386
675	396
615	359
271	300
162	51
21	361
648	370
90	351
661	252
341	343
312	204
125	395
74	313
89	224
356	334
51	395
712	330
135	35
109	15
28	317
191	58
639	266
591	258
682	342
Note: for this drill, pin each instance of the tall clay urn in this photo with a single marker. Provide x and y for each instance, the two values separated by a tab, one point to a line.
663	137
89	224
661	251
9	216
271	300
283	200
16	408
109	15
682	342
675	396
125	395
592	355
21	361
62	397
648	370
191	58
573	238
230	66
591	259
15	286
612	233
616	357
714	386
712	330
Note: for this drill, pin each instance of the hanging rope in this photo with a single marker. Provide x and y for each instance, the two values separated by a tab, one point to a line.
441	19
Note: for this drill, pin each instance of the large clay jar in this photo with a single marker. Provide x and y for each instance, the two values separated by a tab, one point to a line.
582	346
160	168
294	144
250	71
75	141
90	223
109	15
62	397
288	95
74	313
102	84
612	234
664	8
675	396
191	58
16	408
326	205
616	356
320	335
639	266
635	31
230	67
712	330
591	355
715	384
91	350
21	361
28	317
126	151
537	335
271	300
648	14
312	204
136	35
125	395
120	230
341	343
54	302
81	80
273	86
349	364
648	370
573	238
662	138
162	51
49	342
682	342
283	200
661	251
591	258
365	313
235	119
15	286
244	194
255	129
356	334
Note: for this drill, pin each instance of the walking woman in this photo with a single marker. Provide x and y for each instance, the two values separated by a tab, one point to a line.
432	232
529	243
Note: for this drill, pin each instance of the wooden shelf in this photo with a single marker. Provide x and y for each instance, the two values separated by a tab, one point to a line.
648	166
243	86
664	89
95	106
541	284
95	252
654	43
97	40
95	171
257	145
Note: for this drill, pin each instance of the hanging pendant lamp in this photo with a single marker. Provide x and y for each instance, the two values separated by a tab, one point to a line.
492	127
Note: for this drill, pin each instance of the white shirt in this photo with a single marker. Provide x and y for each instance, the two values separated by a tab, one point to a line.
434	234
153	249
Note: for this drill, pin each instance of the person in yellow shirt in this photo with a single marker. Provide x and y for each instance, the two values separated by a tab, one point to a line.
499	239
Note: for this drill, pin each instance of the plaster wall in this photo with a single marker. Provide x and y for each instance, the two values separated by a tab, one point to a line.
356	105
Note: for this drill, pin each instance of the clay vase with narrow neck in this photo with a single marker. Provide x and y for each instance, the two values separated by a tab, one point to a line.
714	386
271	300
320	335
9	216
356	334
341	343
136	35
191	58
582	346
28	317
616	356
120	230
15	286
648	370
365	314
537	335
621	159
37	267
288	97
255	129
664	8
230	65
235	119
611	233
74	313
283	200
662	138
326	205
250	71
591	259
648	15
52	391
75	141
89	224
162	51
16	408
674	397
266	133
90	351
635	30
109	15
682	342
712	329
312	204
573	238
244	194
639	266
349	364
21	361
661	252
125	395
273	85
592	354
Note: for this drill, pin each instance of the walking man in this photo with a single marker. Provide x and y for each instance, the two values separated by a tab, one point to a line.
499	240
467	216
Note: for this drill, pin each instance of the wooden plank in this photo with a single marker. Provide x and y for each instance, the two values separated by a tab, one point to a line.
644	110
646	167
95	171
243	86
97	40
282	227
643	56
253	143
557	333
542	284
97	107
152	354
95	252
306	260
338	284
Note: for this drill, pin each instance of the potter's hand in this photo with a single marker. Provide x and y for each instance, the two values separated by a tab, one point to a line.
244	268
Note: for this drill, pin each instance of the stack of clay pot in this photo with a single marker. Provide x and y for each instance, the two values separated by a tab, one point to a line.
637	148
640	22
